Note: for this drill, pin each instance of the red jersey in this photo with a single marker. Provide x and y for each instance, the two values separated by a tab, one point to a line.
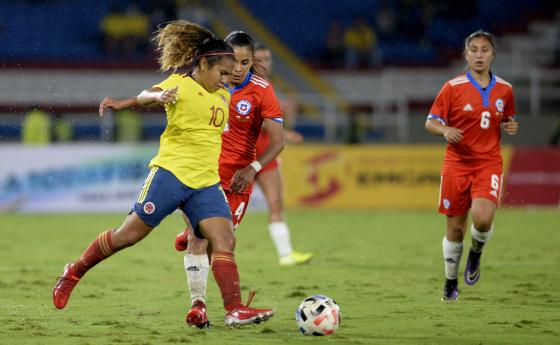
462	103
251	102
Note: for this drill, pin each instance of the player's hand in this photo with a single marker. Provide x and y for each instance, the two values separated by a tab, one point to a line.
167	96
511	126
293	137
110	103
242	178
453	135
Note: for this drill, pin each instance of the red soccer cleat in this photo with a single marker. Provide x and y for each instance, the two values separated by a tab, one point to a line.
245	315
196	317
182	240
64	287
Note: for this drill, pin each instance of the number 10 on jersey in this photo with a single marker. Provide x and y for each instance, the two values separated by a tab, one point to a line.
218	116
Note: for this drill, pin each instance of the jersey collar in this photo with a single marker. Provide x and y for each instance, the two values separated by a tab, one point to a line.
232	90
484	93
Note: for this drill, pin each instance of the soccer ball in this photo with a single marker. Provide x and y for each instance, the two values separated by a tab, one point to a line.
318	315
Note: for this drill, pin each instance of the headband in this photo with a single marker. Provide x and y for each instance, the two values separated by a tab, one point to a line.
217	54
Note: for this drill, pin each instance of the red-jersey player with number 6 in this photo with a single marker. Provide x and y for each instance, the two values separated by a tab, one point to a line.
469	112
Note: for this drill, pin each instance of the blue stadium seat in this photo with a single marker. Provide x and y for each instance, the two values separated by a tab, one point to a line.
69	29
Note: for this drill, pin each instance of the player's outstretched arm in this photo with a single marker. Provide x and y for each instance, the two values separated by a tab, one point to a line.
451	134
145	98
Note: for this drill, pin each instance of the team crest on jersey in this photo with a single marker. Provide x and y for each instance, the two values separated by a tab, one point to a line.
243	107
446	204
149	207
500	105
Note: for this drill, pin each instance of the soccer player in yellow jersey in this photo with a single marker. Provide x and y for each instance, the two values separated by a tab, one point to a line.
184	174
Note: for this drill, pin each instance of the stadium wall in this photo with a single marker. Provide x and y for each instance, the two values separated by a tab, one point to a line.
107	178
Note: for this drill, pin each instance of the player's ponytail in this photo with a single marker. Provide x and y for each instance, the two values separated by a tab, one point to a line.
181	44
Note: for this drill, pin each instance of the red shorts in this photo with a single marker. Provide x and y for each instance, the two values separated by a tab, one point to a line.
262	143
238	205
457	192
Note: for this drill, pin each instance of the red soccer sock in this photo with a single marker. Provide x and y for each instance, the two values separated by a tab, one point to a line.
100	249
226	275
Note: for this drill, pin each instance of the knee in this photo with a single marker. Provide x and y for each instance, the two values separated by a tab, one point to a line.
482	220
483	224
229	240
456	229
455	233
224	242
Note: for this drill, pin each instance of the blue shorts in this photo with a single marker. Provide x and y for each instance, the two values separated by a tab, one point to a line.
163	193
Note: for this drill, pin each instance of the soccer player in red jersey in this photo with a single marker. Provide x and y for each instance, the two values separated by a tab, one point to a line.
469	112
184	174
270	180
253	103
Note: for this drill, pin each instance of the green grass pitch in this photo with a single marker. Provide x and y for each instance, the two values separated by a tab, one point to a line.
384	269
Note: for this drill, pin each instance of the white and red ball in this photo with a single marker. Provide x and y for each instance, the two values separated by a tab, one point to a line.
318	315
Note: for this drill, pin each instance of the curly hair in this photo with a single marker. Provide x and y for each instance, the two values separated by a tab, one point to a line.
181	44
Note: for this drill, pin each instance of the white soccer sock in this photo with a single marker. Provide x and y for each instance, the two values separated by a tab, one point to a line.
480	238
452	252
196	267
281	236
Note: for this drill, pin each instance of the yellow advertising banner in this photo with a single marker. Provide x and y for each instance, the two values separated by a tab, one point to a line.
363	177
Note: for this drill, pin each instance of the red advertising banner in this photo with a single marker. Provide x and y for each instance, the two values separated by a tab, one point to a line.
533	177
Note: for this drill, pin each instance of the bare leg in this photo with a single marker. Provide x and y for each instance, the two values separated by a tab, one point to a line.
270	182
109	242
482	213
219	233
130	232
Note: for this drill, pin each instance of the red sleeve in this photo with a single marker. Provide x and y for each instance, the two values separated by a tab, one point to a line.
442	105
270	107
509	107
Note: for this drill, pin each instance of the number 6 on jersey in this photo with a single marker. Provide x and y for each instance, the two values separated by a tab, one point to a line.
485	120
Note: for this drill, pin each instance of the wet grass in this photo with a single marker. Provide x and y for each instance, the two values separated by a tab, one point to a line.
383	268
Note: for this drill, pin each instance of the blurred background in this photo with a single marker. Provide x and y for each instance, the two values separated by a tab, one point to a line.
356	79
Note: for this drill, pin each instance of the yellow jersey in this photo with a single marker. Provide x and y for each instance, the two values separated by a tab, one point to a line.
191	142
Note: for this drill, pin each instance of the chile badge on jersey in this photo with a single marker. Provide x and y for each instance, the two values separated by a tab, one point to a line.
251	102
462	103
